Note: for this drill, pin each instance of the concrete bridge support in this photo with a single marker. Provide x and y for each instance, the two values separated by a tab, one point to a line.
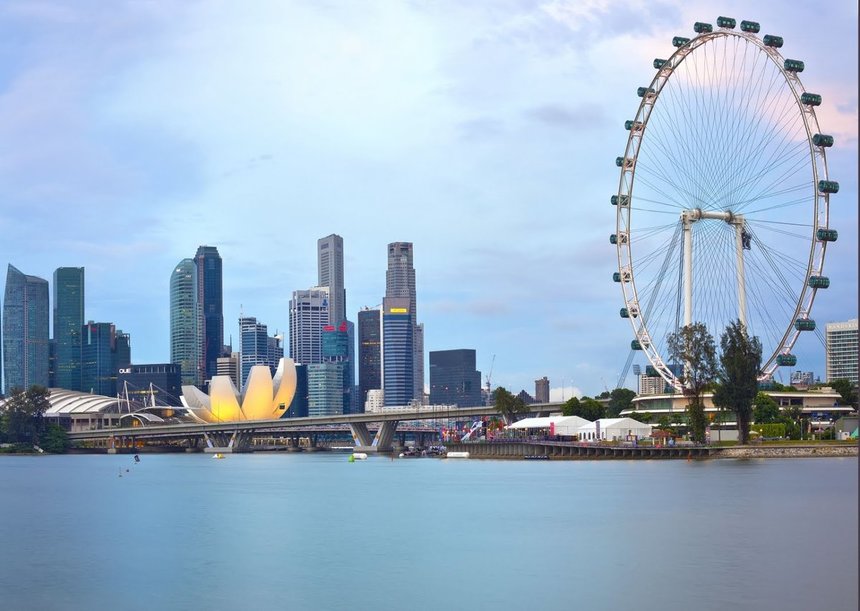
361	437
227	442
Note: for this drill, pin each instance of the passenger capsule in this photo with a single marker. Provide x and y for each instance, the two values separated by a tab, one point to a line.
702	28
786	360
659	63
619	161
811	99
635	345
772	41
625	313
643	90
679	41
613	239
822	140
726	22
804	324
622	199
827	235
632	125
818	282
828	186
750	26
616	276
793	65
650	371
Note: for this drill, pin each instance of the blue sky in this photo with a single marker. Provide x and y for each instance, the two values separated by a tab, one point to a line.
485	133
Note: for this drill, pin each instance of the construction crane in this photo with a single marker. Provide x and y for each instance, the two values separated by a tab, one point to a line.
489	378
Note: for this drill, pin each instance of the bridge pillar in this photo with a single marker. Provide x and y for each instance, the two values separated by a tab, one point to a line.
382	440
360	435
227	442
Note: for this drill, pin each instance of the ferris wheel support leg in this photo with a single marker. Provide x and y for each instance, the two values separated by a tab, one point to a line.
688	272
742	295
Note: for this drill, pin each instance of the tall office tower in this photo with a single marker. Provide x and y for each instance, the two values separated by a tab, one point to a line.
254	345
275	345
68	321
454	379
210	311
325	389
299	407
397	351
842	351
230	366
335	350
183	321
122	349
330	267
542	390
25	330
98	358
802	379
369	352
400	282
309	313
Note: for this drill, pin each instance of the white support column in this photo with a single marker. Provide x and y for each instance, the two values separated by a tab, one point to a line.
739	247
688	269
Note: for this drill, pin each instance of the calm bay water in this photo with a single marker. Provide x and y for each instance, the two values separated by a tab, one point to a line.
289	531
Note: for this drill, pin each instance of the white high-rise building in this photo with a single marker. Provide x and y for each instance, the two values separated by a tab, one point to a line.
309	313
842	351
330	272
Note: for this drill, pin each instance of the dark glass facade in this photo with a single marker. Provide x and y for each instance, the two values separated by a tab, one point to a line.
68	322
184	339
454	379
163	380
335	350
98	358
299	406
25	330
369	353
397	337
210	301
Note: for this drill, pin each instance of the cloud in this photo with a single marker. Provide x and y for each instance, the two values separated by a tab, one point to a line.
555	115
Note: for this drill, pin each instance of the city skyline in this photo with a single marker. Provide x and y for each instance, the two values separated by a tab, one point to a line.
486	138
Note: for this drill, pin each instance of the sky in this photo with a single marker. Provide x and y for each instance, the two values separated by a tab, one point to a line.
483	132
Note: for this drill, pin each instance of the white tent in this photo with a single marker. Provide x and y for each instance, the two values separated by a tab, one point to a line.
614	429
570	425
534	423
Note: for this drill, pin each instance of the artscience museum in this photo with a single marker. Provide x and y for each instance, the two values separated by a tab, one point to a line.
263	398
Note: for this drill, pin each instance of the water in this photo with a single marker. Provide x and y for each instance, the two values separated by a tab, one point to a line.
299	532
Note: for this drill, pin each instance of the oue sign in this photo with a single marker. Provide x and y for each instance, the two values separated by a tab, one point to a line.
125	370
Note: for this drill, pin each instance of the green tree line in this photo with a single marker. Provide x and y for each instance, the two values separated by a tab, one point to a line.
23	424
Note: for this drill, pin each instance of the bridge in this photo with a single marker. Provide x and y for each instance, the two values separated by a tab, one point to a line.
229	437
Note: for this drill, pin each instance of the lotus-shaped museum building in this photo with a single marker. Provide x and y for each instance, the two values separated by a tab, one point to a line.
264	397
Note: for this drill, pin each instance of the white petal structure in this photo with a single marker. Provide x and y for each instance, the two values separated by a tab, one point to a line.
263	399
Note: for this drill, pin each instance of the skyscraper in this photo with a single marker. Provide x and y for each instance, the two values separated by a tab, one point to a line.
330	268
842	351
454	379
309	313
25	330
68	321
542	390
335	350
101	357
369	353
231	366
398	351
400	283
184	340
210	304
257	347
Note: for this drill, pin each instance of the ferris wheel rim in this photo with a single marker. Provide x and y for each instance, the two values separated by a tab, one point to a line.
816	161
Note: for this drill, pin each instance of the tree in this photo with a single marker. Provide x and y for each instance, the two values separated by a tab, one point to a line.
586	407
55	440
644	417
508	405
619	400
25	411
846	390
765	409
740	363
693	346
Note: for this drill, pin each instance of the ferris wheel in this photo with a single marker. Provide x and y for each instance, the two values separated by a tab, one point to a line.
729	218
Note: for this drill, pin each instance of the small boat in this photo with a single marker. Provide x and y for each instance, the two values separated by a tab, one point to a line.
218	455
359	456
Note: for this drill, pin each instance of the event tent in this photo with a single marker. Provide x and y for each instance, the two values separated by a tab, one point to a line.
614	429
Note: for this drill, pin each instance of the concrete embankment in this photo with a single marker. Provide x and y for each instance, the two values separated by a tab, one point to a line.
571	451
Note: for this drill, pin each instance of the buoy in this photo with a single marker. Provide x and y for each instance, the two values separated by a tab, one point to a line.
351	458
